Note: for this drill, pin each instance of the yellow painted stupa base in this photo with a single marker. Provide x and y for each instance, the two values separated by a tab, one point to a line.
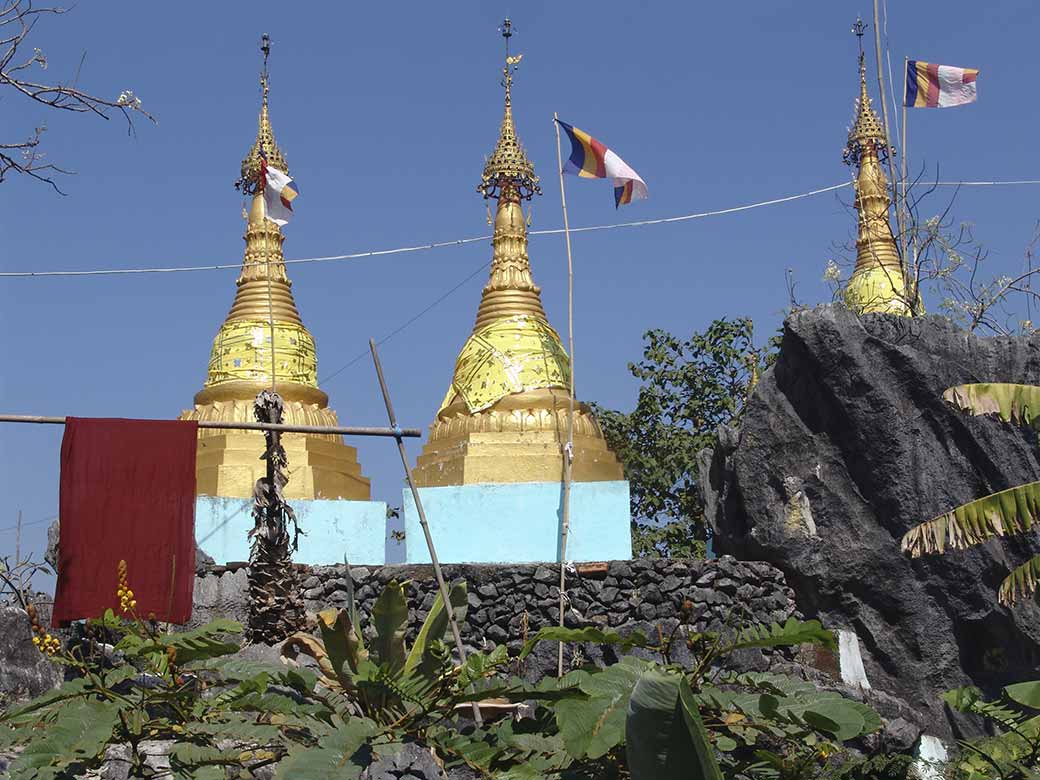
519	439
229	462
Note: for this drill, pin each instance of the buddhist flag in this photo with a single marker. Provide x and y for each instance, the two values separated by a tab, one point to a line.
938	86
591	159
279	192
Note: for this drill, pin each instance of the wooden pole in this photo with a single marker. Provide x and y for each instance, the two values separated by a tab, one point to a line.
568	450
410	433
441	584
884	114
904	164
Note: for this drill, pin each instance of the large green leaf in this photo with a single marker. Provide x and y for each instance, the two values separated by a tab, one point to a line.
436	623
793	632
389	616
588	634
1020	583
331	759
1010	511
208	641
1013	403
592	726
664	735
80	733
343	643
1025	693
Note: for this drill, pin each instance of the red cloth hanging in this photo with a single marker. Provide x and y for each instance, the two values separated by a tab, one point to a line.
127	493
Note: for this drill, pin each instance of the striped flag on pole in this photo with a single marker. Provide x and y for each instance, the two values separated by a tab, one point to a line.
591	159
938	86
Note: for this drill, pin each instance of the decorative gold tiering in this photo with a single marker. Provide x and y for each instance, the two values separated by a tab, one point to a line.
878	283
228	462
508	164
265	142
504	418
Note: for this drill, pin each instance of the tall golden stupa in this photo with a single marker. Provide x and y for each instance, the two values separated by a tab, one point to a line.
241	365
504	418
878	283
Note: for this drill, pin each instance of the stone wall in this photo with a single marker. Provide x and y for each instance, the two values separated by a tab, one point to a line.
621	595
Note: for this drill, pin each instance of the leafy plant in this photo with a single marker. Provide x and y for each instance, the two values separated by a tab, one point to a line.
1011	511
388	681
1013	753
689	388
669	718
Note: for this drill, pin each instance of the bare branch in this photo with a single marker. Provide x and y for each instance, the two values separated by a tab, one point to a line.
17	20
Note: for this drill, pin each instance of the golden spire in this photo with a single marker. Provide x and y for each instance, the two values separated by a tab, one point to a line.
878	283
265	142
240	363
241	350
509	177
504	411
508	164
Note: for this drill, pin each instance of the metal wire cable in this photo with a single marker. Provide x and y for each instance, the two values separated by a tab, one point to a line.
474	239
421	247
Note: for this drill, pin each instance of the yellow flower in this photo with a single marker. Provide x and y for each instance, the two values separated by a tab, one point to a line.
133	603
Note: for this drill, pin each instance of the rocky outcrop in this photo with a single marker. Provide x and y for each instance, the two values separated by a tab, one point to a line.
24	671
846	444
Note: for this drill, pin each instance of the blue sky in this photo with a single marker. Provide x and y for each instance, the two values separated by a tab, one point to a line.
385	112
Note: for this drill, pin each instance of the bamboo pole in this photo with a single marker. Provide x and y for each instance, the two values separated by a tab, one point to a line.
884	116
441	584
904	164
568	450
410	433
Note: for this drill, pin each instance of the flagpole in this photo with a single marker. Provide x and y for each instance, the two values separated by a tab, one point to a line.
888	136
903	152
568	450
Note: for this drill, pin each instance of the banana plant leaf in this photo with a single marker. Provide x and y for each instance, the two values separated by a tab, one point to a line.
436	623
1021	583
1018	404
1011	511
665	738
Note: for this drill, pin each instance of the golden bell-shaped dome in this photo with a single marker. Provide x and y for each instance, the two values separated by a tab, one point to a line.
504	417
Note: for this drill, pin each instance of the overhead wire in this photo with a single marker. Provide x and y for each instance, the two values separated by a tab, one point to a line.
475	239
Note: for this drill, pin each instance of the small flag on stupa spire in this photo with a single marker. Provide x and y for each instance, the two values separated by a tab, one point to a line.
279	192
591	159
939	86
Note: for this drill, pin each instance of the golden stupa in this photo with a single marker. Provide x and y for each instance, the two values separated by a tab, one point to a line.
878	283
504	418
240	366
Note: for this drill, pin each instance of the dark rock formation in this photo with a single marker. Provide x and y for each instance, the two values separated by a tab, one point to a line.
844	446
24	671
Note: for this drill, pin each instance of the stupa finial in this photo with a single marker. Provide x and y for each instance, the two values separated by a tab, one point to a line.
508	170
867	130
265	143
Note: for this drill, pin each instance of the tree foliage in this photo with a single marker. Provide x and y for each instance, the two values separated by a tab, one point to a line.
689	387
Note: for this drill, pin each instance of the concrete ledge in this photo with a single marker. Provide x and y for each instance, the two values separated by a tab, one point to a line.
356	529
519	523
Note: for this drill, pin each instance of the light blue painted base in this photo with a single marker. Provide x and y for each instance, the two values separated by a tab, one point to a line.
519	523
356	529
